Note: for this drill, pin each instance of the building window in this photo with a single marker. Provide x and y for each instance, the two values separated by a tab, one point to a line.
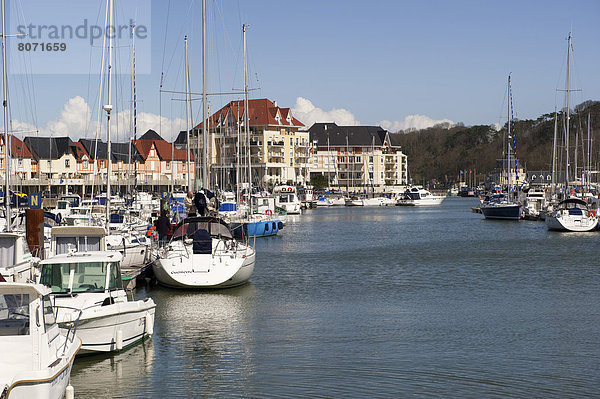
370	158
85	164
168	164
67	163
20	162
49	164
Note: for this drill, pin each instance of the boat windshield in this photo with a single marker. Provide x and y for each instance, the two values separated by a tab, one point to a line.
14	314
86	277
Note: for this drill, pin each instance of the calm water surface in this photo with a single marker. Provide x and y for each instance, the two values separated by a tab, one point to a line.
379	302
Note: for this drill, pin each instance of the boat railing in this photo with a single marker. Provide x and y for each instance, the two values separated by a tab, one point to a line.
71	324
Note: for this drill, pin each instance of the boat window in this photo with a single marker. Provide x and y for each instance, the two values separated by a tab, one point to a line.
49	319
115	281
61	205
7	250
56	277
89	277
14	314
64	243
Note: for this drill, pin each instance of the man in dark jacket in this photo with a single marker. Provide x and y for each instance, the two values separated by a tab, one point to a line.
163	224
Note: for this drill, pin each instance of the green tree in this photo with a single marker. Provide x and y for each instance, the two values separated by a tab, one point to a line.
319	181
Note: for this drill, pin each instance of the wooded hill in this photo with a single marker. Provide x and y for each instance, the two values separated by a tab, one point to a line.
439	153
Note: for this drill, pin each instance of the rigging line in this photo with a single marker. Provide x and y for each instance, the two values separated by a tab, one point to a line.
29	76
162	66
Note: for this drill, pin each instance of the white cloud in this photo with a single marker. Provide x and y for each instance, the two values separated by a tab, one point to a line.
76	121
307	113
413	122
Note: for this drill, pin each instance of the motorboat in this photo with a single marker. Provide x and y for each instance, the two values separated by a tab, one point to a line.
534	204
202	253
91	282
18	264
416	196
572	214
37	355
498	206
286	198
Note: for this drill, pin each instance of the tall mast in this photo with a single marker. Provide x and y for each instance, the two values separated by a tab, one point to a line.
205	181
6	138
132	108
568	115
508	143
553	188
108	108
187	118
247	123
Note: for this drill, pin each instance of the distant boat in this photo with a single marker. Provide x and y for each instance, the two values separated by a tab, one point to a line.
498	206
419	197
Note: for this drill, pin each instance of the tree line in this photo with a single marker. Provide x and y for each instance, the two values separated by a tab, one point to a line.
437	155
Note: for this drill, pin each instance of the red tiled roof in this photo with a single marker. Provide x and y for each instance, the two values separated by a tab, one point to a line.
80	150
165	150
18	149
262	112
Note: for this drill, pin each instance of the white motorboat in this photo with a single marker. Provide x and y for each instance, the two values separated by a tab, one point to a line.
572	214
287	199
90	282
203	254
534	203
419	197
37	355
18	264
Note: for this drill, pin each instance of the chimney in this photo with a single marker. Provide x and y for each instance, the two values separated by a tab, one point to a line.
275	104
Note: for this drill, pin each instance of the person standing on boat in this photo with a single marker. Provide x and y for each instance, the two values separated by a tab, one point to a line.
200	202
163	224
190	206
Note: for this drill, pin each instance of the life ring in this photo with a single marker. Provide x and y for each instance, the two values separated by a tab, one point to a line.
268	212
591	212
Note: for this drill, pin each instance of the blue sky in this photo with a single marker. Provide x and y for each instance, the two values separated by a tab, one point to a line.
377	62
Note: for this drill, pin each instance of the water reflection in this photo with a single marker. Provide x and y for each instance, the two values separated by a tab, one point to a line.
205	340
113	375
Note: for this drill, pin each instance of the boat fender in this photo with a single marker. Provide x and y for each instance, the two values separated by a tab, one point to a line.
149	324
280	225
58	218
119	343
268	212
69	392
591	213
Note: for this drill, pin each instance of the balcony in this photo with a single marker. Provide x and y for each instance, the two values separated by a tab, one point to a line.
276	143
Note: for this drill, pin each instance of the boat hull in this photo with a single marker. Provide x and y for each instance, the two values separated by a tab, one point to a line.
47	383
180	268
502	212
580	223
101	328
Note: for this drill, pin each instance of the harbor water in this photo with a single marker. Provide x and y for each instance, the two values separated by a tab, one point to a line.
379	302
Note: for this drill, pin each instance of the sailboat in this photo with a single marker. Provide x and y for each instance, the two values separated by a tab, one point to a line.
571	214
203	253
500	205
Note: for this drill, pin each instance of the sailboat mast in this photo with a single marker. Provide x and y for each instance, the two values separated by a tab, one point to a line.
508	137
205	181
108	108
131	111
553	188
187	117
568	115
247	123
6	138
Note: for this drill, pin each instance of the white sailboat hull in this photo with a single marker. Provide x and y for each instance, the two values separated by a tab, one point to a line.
181	268
562	221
